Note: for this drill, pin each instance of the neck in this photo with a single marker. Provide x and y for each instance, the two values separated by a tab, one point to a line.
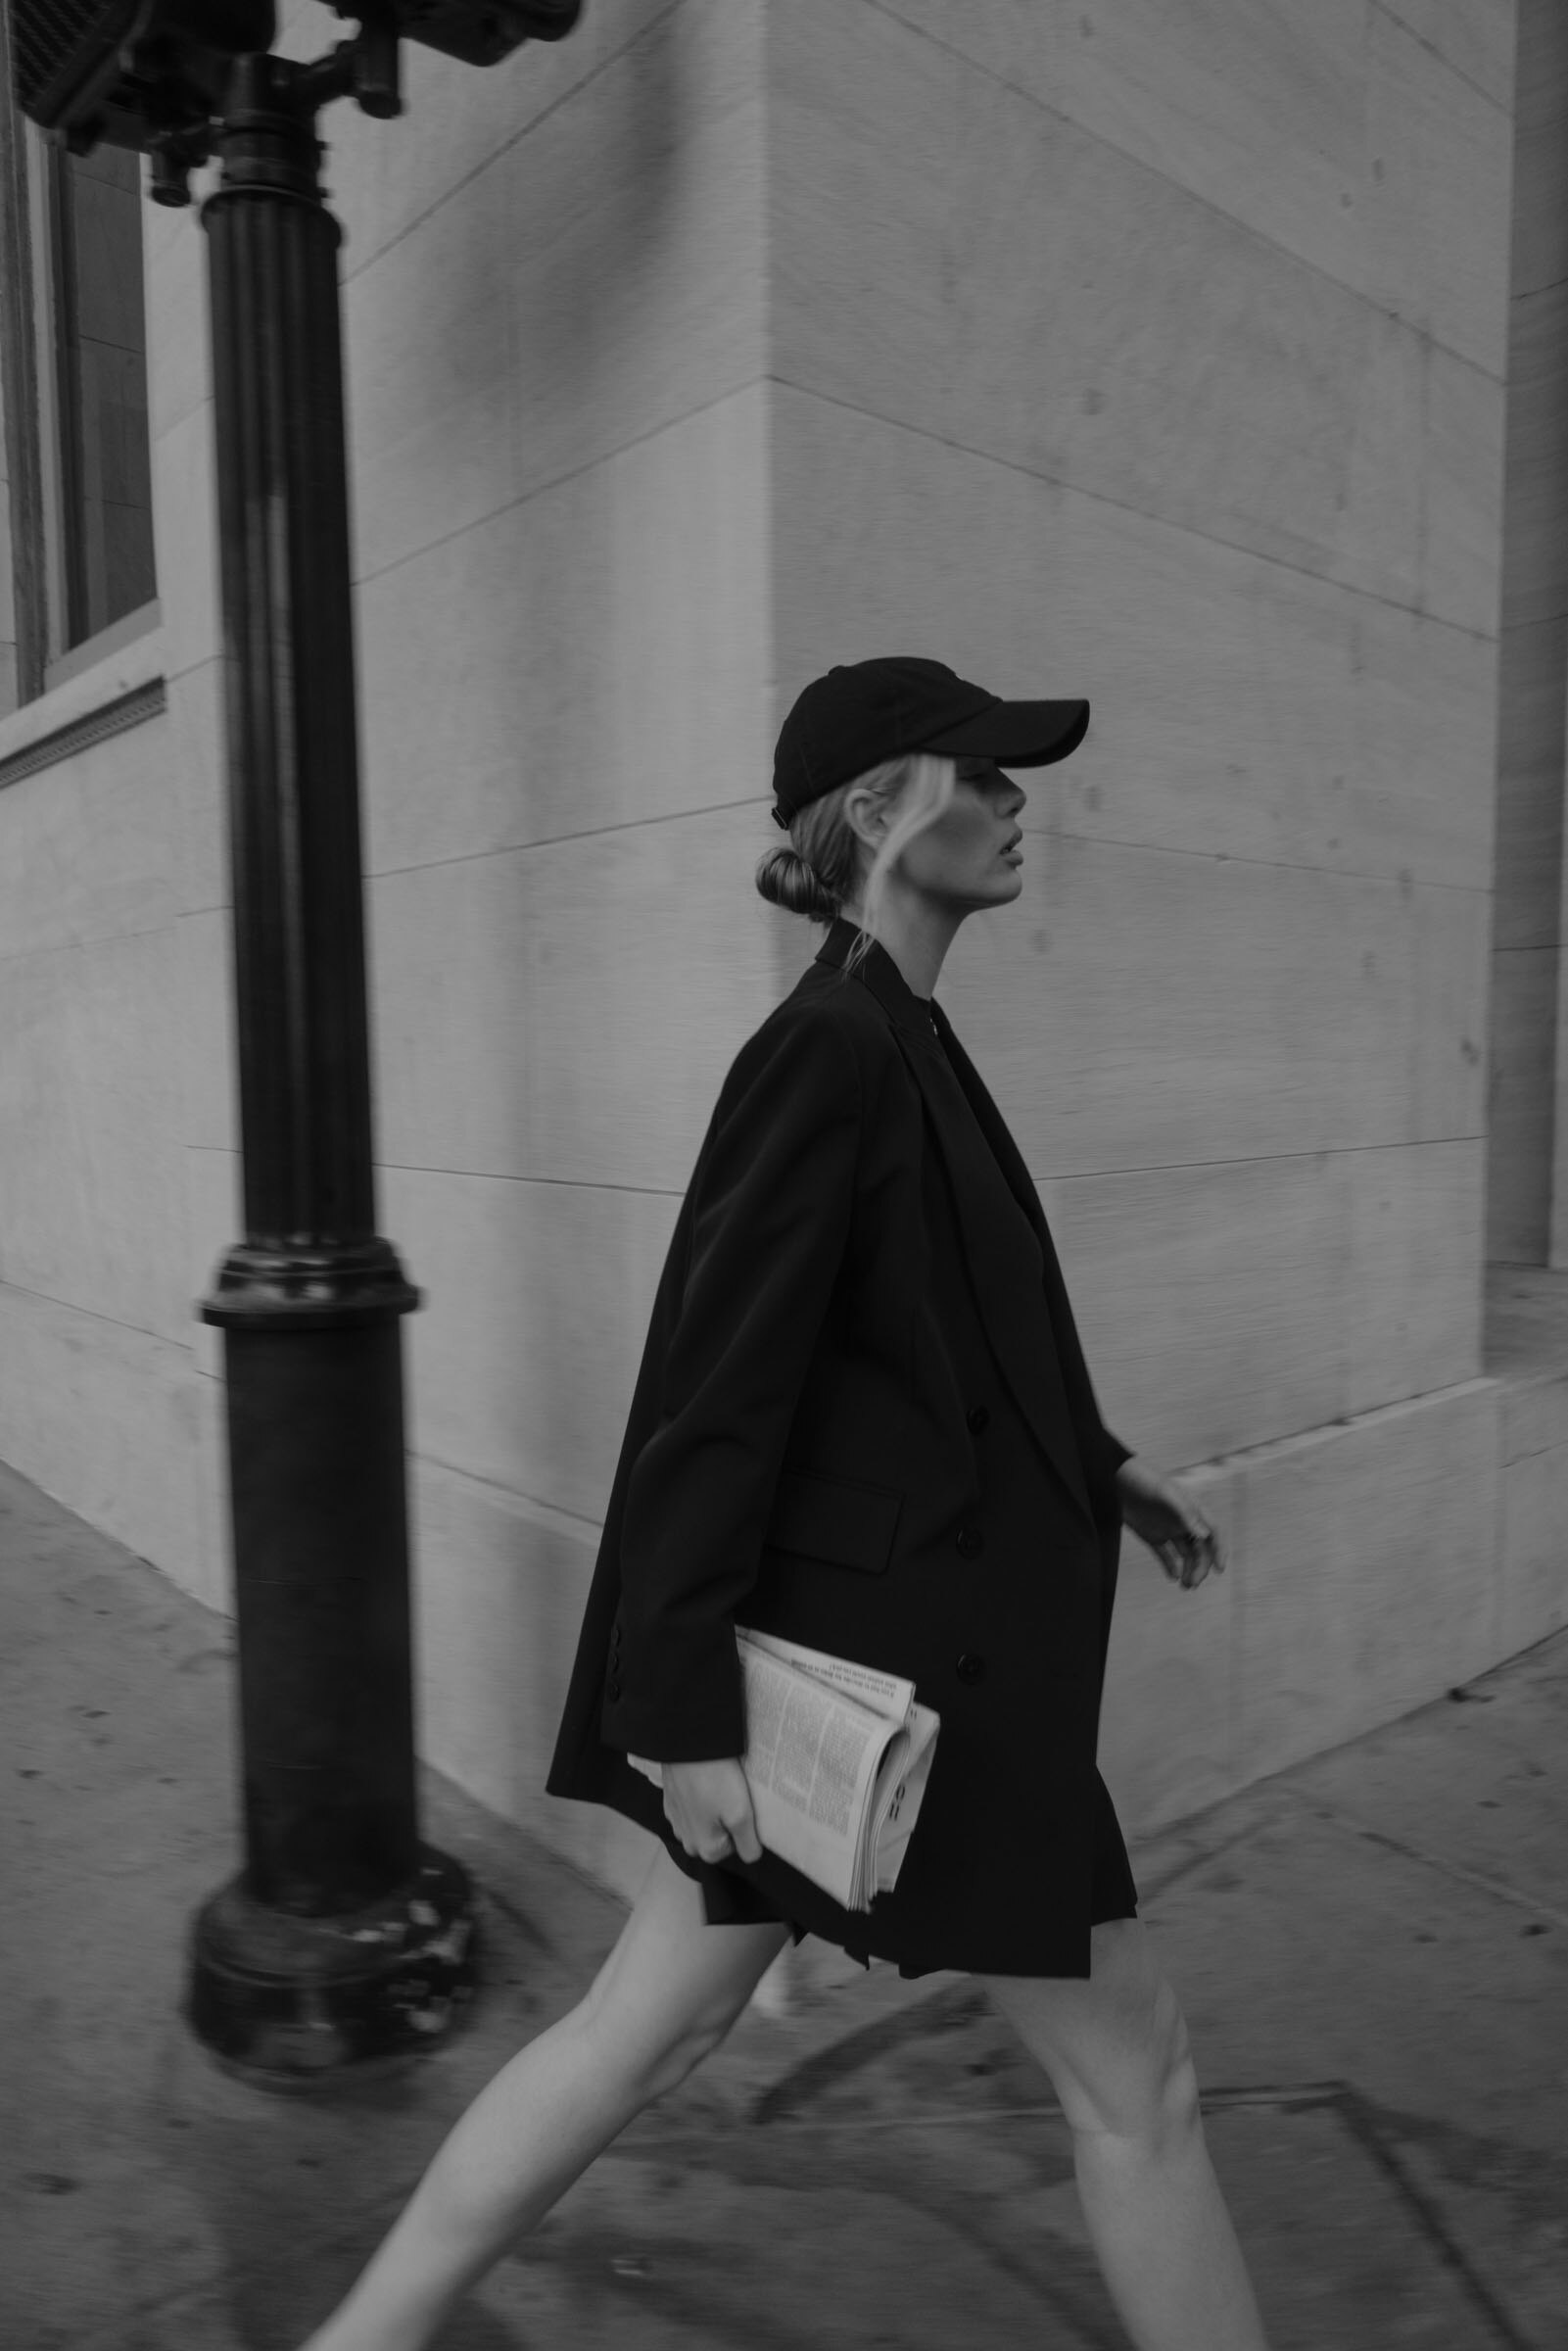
915	933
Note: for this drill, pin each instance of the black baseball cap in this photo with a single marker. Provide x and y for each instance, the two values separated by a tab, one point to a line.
864	712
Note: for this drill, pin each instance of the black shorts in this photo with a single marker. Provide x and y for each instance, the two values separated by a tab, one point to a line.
731	1901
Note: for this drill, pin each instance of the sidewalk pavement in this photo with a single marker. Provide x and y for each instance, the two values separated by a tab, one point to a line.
1371	1950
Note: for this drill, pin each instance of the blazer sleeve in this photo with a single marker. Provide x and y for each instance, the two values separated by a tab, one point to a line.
771	1201
1112	1453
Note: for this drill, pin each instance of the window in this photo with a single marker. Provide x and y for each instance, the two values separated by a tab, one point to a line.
79	457
99	355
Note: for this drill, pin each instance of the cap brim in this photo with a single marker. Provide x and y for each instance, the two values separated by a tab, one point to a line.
1016	734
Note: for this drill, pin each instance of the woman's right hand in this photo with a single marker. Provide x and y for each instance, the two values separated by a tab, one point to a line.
708	1806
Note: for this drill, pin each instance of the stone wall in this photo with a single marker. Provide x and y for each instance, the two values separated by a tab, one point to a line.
1150	352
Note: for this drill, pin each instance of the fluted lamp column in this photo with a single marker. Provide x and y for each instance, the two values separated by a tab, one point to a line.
343	1937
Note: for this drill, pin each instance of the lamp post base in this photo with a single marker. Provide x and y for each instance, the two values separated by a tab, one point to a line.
288	2002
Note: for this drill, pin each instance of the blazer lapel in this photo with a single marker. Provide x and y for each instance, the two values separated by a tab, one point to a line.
1074	1373
988	1178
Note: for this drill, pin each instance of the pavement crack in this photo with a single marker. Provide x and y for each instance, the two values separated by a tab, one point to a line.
1366	2124
1151	1889
1408	1850
947	2010
1051	2270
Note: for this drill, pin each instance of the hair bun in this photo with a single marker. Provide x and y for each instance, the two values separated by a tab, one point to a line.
785	880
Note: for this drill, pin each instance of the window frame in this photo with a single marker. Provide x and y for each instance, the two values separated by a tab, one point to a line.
42	571
18	376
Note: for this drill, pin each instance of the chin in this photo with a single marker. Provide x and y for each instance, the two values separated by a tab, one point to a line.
997	897
1000	891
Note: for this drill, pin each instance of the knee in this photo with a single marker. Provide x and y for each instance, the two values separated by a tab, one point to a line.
1167	2107
657	2048
1140	2089
696	2039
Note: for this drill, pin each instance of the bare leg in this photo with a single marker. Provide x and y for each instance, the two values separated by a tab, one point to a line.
1117	2050
666	1995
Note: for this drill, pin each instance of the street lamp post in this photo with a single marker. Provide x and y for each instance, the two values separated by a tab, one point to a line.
343	1937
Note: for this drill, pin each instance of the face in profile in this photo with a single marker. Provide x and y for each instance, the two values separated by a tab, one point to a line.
971	856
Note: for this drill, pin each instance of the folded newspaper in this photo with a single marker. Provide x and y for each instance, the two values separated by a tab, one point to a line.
836	1760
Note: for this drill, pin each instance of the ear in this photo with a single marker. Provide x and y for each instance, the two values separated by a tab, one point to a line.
866	819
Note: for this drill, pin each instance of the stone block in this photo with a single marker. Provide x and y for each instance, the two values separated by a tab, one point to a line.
1534	1411
1431	229
1533	661
500	1586
1166	1730
1136	1008
1534	1565
1462	494
200	1020
92	1098
1371	142
185	533
179	349
1241	707
1534	576
593	282
1541	84
196	779
1476	37
1226	1306
522	1361
114	1422
88	843
1520	1114
1367	1572
389	176
567	1013
1540	153
595	655
1411	1298
428	363
1042	298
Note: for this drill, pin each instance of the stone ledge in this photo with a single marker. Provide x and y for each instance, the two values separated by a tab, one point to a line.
1525	1326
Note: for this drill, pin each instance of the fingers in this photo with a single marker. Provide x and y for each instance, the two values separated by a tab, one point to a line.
1187	1557
737	1833
710	1843
709	1809
743	1834
719	1842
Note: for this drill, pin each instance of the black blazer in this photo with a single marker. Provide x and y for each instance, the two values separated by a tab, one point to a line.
862	1418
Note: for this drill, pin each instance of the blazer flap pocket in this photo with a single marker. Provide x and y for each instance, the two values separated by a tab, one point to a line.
834	1518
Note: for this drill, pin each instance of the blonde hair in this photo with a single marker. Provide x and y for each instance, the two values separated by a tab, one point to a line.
816	874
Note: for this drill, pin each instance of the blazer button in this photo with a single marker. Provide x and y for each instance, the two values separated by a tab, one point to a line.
970	1542
970	1667
615	1684
615	1638
977	1417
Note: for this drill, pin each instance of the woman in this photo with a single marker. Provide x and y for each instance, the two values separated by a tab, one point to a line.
863	1421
